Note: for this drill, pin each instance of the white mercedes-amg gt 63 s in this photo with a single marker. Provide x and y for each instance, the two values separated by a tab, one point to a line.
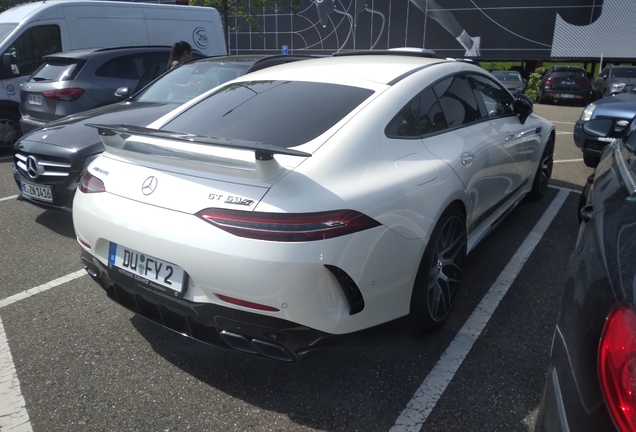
312	199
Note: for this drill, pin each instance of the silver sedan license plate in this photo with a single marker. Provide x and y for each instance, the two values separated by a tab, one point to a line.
40	193
147	270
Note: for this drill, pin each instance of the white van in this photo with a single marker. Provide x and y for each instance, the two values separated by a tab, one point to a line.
32	30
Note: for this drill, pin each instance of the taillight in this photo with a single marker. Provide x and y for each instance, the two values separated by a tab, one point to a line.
550	81
288	227
584	82
66	95
617	366
90	184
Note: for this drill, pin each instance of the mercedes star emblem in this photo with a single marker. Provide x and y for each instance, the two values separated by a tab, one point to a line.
32	167
149	186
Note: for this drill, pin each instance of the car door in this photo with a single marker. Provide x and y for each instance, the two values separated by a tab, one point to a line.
598	84
514	144
468	146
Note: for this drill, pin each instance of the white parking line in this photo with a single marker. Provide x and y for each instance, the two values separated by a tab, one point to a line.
564	133
8	198
41	288
563	122
425	398
13	413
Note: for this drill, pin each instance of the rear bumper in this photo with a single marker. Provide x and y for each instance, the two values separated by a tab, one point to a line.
260	335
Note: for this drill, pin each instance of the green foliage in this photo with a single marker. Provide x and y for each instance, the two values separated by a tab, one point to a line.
533	83
8	4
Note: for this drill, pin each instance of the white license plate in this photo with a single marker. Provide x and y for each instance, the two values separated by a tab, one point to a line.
41	193
568	96
147	270
36	99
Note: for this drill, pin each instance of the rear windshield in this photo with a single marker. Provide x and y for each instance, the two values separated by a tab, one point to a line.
281	113
568	74
507	76
54	70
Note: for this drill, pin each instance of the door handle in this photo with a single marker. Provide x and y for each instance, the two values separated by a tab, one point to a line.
467	158
587	213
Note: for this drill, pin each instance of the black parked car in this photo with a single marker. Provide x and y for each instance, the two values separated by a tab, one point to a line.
591	383
48	162
564	84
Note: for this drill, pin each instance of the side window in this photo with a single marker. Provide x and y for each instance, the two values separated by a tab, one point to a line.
604	72
498	102
28	49
422	116
128	66
457	99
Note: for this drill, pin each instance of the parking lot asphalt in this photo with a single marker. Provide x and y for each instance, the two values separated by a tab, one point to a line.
78	362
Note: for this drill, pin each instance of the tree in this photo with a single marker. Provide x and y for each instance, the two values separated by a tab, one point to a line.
250	10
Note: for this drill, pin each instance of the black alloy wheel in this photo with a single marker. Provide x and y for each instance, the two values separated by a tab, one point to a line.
440	273
544	171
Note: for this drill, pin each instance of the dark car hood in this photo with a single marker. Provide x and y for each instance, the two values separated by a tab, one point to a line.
71	135
622	105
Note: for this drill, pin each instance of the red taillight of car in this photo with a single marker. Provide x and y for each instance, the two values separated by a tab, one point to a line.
288	227
247	304
66	95
90	184
584	82
617	366
550	81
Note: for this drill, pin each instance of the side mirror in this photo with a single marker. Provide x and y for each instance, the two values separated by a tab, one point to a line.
122	92
7	61
523	107
601	127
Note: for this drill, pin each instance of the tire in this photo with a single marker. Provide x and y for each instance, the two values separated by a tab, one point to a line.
440	272
544	171
591	161
9	129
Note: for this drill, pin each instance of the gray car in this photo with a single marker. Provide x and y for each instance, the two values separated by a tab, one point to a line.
512	80
75	81
613	80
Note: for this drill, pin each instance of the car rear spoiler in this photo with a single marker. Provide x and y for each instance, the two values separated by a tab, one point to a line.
115	136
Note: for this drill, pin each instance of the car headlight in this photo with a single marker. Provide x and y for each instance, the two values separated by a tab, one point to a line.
587	112
618	86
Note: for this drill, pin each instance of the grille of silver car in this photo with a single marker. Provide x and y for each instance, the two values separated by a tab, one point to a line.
40	167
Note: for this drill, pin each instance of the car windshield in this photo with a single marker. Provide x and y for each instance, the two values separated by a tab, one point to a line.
190	80
507	76
561	74
5	29
280	113
623	72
